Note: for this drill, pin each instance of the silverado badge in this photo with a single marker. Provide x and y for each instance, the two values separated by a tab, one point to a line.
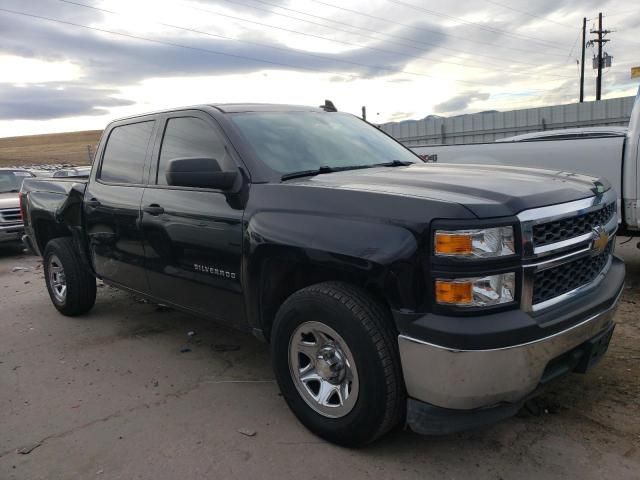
218	272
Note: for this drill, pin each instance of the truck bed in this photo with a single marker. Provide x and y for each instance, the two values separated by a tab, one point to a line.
51	204
52	185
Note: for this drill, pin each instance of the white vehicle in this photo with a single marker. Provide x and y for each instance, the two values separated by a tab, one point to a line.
610	153
568	133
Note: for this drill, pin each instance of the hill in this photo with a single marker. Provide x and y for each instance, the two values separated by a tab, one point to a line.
68	148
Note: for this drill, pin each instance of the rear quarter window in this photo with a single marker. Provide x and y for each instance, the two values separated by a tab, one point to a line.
125	153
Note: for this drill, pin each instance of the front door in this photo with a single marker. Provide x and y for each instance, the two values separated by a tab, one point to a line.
193	237
112	206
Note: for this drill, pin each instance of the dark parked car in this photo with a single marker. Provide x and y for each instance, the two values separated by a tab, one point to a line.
390	290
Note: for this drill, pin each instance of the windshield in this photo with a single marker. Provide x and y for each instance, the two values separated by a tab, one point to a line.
290	142
12	181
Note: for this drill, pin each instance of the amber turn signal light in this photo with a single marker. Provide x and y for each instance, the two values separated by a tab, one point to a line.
454	292
453	244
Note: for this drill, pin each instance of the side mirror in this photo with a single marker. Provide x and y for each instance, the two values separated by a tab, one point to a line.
199	173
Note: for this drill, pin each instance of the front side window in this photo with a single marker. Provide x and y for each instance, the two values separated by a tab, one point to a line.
191	137
124	155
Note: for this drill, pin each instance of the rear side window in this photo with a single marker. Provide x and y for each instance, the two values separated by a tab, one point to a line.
123	160
191	137
11	181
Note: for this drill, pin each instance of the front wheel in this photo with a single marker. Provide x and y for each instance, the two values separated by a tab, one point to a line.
71	286
336	361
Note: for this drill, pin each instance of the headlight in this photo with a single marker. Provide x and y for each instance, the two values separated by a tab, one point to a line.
476	292
482	243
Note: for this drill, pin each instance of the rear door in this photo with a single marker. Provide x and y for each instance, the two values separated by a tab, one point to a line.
193	236
112	204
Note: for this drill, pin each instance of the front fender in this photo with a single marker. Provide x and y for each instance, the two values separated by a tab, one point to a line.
381	257
376	242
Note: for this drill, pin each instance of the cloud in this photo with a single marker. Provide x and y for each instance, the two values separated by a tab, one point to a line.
398	116
397	38
119	59
340	78
55	100
460	102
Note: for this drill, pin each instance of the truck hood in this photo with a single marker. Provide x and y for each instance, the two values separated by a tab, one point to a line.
486	190
9	200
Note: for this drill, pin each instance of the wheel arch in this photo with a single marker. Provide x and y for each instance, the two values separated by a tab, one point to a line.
290	250
280	274
47	229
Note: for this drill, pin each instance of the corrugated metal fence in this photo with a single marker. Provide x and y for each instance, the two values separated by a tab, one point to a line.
490	126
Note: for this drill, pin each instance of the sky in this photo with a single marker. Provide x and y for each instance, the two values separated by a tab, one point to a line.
72	65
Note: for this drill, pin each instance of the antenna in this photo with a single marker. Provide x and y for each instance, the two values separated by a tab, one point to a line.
328	106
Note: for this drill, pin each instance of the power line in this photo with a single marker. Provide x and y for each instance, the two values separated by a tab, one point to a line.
265	45
219	53
626	12
307	34
469	22
493	30
437	32
574	46
529	14
250	42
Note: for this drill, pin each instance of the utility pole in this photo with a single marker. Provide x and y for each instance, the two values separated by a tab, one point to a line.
584	46
600	41
599	79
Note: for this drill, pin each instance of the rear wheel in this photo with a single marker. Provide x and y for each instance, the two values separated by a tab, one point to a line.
71	286
336	361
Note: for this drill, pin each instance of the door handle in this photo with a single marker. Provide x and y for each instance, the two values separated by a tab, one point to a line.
153	209
93	203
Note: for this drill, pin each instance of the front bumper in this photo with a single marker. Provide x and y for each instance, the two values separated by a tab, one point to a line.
11	233
468	379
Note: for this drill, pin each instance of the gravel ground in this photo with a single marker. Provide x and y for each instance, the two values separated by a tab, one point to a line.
126	392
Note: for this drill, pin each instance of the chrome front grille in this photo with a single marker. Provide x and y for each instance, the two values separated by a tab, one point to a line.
567	228
556	281
10	215
567	249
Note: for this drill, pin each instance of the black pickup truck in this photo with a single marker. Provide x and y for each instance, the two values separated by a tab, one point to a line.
390	290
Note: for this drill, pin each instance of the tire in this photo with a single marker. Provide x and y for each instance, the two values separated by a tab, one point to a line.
360	339
62	267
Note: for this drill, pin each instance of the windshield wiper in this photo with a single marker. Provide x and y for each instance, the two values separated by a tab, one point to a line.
308	173
321	170
394	163
328	169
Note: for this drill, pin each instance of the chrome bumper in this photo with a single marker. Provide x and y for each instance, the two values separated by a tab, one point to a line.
11	233
469	379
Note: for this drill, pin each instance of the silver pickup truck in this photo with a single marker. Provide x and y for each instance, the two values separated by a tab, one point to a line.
11	227
604	153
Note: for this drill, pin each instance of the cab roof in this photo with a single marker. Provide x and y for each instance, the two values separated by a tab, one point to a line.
263	107
229	108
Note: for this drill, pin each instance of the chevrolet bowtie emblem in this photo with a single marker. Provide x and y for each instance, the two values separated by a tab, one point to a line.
600	239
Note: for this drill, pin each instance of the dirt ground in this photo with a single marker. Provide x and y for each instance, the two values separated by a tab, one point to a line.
125	392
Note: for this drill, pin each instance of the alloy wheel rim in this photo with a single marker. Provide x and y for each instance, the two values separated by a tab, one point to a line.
323	369
57	279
